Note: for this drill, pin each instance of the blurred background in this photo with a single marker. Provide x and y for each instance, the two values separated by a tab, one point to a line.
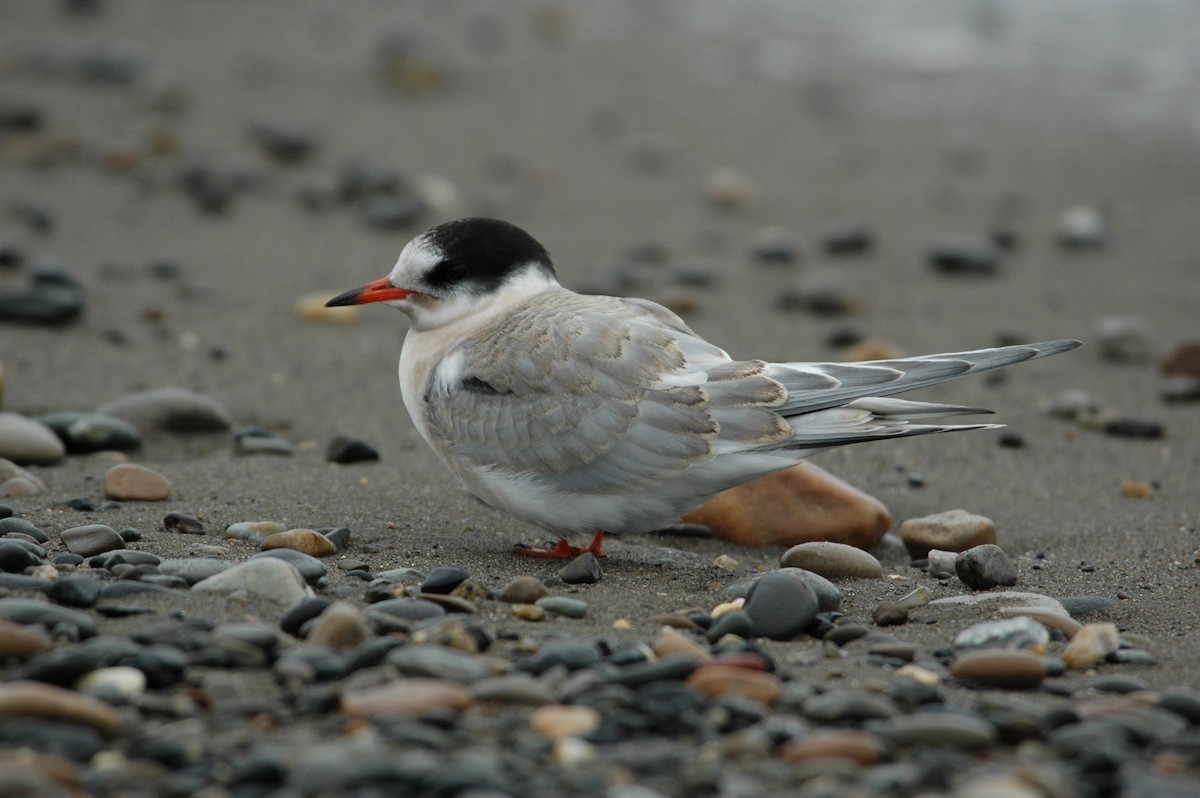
793	178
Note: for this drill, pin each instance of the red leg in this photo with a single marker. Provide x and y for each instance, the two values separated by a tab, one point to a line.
563	550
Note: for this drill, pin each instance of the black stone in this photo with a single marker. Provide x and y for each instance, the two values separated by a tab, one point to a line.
5	512
75	742
1143	428
30	611
76	590
443	579
23	527
15	558
53	298
345	449
735	622
571	654
184	522
984	567
848	238
965	255
302	613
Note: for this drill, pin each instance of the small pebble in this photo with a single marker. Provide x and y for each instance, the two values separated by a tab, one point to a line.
560	720
952	530
563	605
412	697
340	627
862	748
1082	227
1091	644
27	442
267	578
984	567
443	579
889	613
307	541
91	539
83	433
775	246
170	410
184	522
253	531
347	449
780	605
130	482
523	590
582	570
715	680
833	560
1123	339
1020	632
1142	428
965	255
1182	361
730	189
1132	489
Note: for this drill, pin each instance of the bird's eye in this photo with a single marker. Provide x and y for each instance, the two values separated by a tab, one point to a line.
447	272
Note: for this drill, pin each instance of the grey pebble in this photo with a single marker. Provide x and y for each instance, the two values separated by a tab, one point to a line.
938	728
570	654
15	558
183	521
309	567
781	605
271	578
1118	683
29	611
563	605
26	442
1079	606
256	440
839	706
847	238
443	579
404	609
91	539
984	567
439	662
82	433
21	526
195	569
963	254
347	449
170	410
516	688
735	622
75	591
52	298
829	598
582	570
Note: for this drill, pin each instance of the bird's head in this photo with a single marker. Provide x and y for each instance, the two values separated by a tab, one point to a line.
452	270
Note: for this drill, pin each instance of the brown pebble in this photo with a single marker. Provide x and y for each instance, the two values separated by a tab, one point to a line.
1133	489
1000	667
528	612
858	746
889	613
34	699
953	530
470	590
563	720
669	641
135	483
795	505
411	697
1092	643
340	627
716	680
524	590
1184	360
22	642
306	540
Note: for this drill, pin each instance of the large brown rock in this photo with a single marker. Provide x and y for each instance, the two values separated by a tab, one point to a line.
797	505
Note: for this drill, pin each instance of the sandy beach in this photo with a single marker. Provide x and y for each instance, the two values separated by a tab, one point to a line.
601	130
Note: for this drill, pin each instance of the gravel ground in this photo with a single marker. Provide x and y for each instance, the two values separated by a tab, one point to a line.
187	169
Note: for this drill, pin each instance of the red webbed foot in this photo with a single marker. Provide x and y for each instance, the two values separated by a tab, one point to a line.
563	550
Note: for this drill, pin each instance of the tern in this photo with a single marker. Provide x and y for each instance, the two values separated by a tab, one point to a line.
584	414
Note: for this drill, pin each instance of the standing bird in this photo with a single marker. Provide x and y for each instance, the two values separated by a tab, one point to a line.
585	414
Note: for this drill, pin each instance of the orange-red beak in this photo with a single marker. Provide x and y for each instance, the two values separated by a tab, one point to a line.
379	291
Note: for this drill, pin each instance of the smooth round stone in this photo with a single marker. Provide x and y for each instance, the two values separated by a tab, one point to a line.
52	298
170	410
528	612
255	440
582	570
340	538
1082	227
411	697
1142	428
1078	606
715	680
34	699
409	576
128	556
15	558
184	522
438	661
1000	667
295	619
444	579
270	578
524	590
195	569
833	560
563	605
1123	339
254	531
836	706
781	605
75	591
734	622
847	238
1183	701
26	442
946	729
310	568
116	683
953	530
847	632
675	667
131	482
1091	644
19	642
517	688
346	449
308	541
572	655
564	720
340	627
1119	684
91	539
452	604
857	746
1133	656
984	567
1019	632
405	609
23	527
962	254
916	598
889	613
83	433
19	487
